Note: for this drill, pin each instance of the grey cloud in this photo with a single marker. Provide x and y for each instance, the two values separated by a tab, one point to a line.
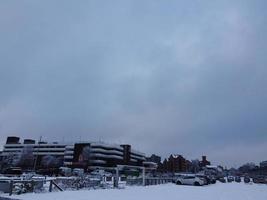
167	77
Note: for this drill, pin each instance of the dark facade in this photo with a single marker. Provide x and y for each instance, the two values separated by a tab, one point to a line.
126	154
29	141
12	140
99	155
204	162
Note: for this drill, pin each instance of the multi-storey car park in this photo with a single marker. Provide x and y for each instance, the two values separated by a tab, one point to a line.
87	155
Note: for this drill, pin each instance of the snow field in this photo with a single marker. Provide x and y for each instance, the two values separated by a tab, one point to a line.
218	191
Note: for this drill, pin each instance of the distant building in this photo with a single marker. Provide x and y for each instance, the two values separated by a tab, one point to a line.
154	158
87	155
204	162
248	167
1	156
153	162
263	164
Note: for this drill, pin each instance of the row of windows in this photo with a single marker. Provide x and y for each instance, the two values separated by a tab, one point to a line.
112	148
139	155
35	147
107	148
106	153
68	159
40	151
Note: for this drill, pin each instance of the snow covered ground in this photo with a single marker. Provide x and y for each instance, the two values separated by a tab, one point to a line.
219	191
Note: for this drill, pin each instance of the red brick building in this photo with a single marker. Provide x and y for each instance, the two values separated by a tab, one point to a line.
175	163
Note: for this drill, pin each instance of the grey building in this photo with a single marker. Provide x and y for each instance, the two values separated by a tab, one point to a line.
88	155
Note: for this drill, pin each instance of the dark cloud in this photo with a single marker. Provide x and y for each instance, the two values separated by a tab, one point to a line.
168	77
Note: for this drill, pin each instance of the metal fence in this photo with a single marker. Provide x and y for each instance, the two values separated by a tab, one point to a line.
74	183
149	181
158	181
20	186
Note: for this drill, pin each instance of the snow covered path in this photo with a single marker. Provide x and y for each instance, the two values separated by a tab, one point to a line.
219	191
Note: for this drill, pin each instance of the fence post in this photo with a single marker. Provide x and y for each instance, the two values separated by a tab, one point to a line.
143	176
116	179
10	187
50	186
32	185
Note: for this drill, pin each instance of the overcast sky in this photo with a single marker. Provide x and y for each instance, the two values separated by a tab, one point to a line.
185	77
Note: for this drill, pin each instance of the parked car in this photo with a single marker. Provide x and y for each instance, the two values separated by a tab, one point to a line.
222	180
246	179
205	178
212	179
190	180
230	179
259	179
237	179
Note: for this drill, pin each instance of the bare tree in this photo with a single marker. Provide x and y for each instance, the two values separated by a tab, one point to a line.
195	166
26	159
